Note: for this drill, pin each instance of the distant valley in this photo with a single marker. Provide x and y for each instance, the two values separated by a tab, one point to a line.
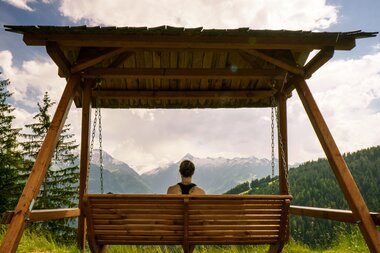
215	175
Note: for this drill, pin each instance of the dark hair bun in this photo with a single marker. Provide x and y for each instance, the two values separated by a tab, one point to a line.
186	168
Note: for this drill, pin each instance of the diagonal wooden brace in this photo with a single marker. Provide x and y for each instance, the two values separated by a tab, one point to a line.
32	187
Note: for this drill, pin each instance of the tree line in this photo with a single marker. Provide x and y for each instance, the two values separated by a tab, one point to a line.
18	150
314	184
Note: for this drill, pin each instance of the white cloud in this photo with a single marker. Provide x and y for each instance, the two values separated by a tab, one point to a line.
259	14
31	79
22	4
343	91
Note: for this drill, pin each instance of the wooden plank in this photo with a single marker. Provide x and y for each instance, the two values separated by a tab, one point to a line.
92	60
212	212
32	187
57	55
139	221
184	73
121	232
137	211
235	217
235	206
45	214
191	42
138	216
339	167
272	227
136	206
234	222
84	159
138	227
277	62
323	56
191	94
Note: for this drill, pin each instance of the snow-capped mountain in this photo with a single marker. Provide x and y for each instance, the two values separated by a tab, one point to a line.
118	177
215	175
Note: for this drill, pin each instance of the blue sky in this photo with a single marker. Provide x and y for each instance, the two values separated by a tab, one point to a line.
347	88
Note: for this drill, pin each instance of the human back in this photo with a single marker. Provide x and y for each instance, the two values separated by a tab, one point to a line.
186	186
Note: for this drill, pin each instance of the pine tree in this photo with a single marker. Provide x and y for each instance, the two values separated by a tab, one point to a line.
10	157
60	186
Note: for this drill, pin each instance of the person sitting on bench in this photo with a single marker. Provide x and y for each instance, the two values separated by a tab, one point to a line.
186	170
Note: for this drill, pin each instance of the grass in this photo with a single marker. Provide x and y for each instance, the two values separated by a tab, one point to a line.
34	242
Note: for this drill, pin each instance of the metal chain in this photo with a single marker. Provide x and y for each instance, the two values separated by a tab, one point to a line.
282	152
272	145
92	145
100	150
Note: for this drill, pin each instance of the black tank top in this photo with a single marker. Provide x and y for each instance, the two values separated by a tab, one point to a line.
185	188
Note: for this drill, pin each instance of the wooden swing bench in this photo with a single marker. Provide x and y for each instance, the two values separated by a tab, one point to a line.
155	219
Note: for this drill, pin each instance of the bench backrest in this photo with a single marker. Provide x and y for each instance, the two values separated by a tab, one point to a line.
140	219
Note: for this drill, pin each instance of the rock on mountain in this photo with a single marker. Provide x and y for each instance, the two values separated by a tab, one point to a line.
215	175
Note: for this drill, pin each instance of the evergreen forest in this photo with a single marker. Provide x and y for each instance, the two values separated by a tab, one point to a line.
313	184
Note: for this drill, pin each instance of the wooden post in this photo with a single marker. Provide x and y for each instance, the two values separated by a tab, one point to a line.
282	144
84	161
339	167
32	187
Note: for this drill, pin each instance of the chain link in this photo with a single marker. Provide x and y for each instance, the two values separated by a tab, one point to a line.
100	150
274	112
284	164
92	145
272	145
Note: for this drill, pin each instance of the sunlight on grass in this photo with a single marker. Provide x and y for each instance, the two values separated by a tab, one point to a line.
43	243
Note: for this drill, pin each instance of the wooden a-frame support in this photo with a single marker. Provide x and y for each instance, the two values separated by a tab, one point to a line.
33	184
339	167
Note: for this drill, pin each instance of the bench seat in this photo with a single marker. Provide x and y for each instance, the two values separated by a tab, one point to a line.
157	219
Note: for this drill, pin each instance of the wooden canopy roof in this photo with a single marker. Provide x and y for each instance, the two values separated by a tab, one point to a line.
171	67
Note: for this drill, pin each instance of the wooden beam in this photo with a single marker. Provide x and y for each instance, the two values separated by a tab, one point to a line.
84	160
238	94
283	144
191	73
330	214
44	215
339	167
261	41
95	59
33	184
277	62
323	56
57	55
120	59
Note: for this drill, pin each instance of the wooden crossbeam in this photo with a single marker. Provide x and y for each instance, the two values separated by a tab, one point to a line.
191	42
95	59
44	215
330	214
185	73
58	57
277	62
236	94
318	60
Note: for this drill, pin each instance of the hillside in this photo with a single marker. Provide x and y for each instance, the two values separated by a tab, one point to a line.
313	184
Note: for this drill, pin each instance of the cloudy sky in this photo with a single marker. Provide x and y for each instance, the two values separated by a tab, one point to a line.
347	89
